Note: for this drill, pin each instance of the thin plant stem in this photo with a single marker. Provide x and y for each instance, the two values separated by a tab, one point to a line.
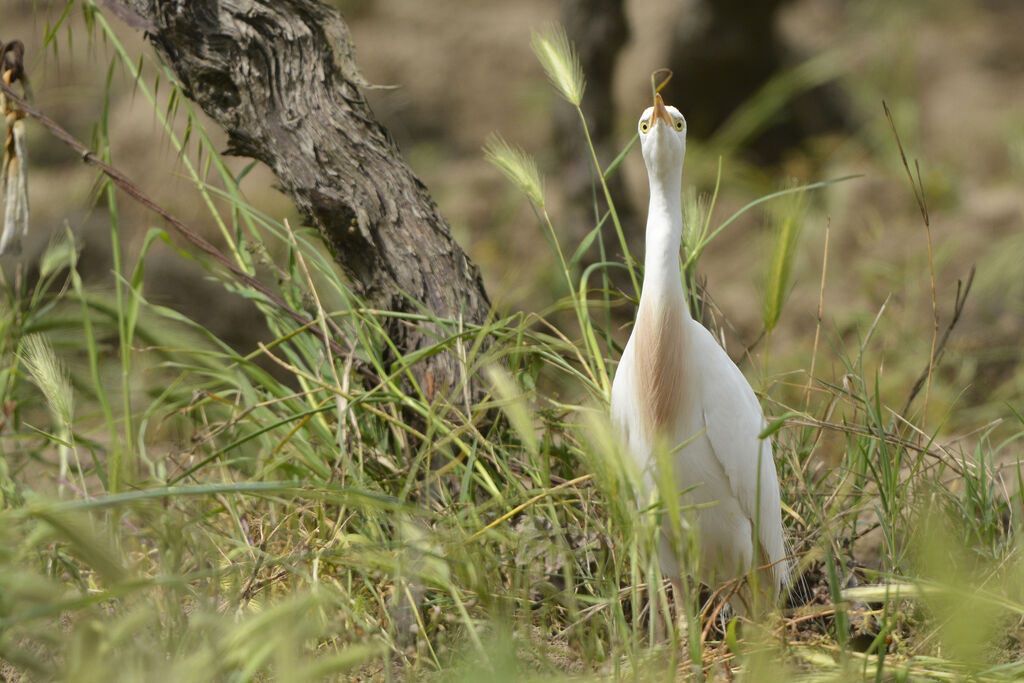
626	254
817	326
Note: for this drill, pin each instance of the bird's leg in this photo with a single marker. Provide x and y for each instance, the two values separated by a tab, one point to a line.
679	604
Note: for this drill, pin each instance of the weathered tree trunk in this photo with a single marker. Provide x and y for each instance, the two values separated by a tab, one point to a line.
280	77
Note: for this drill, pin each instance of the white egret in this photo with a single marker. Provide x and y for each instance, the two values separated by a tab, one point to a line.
677	389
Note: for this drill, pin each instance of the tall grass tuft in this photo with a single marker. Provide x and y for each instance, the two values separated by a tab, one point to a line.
279	517
787	217
562	65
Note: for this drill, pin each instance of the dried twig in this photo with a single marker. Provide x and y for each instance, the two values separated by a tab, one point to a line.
889	438
918	188
962	290
817	327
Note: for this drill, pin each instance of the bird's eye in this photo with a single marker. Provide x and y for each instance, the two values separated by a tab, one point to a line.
644	126
679	124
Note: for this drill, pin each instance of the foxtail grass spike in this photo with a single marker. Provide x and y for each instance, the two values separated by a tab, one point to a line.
560	62
787	217
49	374
518	166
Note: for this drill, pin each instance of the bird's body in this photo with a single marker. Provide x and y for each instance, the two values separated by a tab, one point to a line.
677	389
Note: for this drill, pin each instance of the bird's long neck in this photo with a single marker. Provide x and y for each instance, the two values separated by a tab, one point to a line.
662	317
664	232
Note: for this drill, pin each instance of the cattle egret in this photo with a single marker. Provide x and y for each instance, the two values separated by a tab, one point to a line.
677	389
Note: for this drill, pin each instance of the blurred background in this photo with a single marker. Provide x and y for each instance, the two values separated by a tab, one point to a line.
779	93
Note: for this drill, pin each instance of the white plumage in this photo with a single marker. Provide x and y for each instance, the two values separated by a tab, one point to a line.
675	385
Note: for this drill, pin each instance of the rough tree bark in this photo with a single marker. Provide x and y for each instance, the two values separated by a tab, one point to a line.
280	77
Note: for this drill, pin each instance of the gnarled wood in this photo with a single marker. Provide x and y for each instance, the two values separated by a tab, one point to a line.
280	77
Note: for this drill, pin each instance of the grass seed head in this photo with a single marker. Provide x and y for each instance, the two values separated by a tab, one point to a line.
787	217
518	166
49	374
560	62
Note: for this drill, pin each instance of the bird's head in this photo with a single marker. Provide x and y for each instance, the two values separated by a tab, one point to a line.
662	138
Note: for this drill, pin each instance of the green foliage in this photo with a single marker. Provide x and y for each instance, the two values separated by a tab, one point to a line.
787	217
291	513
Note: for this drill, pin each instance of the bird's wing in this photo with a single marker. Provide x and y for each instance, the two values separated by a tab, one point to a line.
734	419
625	410
621	407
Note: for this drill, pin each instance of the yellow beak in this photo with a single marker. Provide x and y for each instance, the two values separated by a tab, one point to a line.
660	112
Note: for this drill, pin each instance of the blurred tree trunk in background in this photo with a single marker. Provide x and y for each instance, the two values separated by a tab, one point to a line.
280	77
599	30
722	53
